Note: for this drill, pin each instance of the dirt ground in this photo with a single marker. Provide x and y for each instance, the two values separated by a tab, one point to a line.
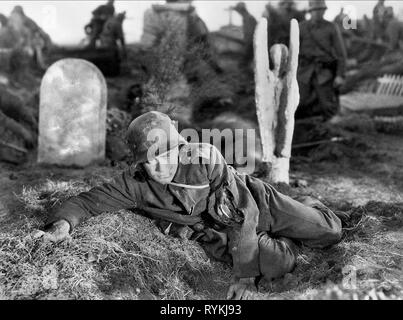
110	257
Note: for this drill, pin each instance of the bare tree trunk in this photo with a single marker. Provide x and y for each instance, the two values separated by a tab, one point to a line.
277	98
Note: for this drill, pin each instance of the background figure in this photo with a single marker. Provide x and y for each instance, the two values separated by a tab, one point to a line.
249	25
99	17
321	65
393	31
379	20
278	21
29	37
199	40
112	35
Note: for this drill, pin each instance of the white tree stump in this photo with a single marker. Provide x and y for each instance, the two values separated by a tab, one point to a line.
277	98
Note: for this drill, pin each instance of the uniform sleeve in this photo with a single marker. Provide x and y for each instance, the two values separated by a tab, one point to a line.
249	29
243	241
118	195
121	36
393	36
340	50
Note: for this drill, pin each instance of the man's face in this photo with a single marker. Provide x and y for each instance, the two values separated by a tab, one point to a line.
163	168
318	14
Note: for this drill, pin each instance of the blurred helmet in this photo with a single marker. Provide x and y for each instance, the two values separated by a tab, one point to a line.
152	134
286	4
317	5
239	7
18	9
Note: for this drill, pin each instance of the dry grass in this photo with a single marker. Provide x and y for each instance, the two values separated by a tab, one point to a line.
124	256
113	256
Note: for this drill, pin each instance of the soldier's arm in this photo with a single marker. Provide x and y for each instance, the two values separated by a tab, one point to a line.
122	40
341	53
243	241
392	33
110	197
121	37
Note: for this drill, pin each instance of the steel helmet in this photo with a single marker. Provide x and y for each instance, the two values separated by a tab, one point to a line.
317	5
151	134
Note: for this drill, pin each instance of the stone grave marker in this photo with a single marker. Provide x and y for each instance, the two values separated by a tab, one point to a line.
72	114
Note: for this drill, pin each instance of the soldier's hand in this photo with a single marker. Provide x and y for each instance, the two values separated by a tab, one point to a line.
338	82
59	231
243	289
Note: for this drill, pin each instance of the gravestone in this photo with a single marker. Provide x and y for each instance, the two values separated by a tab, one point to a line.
72	115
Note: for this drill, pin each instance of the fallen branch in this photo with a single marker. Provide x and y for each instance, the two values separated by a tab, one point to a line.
12	146
314	143
368	41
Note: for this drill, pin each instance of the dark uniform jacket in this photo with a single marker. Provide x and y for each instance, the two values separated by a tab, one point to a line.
394	34
320	48
249	25
206	194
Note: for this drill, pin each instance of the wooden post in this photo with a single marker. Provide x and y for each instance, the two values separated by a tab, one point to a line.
277	98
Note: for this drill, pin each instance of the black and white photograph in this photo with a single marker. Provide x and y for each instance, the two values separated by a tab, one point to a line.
182	151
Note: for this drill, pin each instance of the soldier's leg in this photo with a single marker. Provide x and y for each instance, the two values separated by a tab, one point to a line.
307	100
314	225
328	100
276	256
248	54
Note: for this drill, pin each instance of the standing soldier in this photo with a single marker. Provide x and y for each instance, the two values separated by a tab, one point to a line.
394	30
99	16
321	66
379	20
29	36
249	26
112	35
